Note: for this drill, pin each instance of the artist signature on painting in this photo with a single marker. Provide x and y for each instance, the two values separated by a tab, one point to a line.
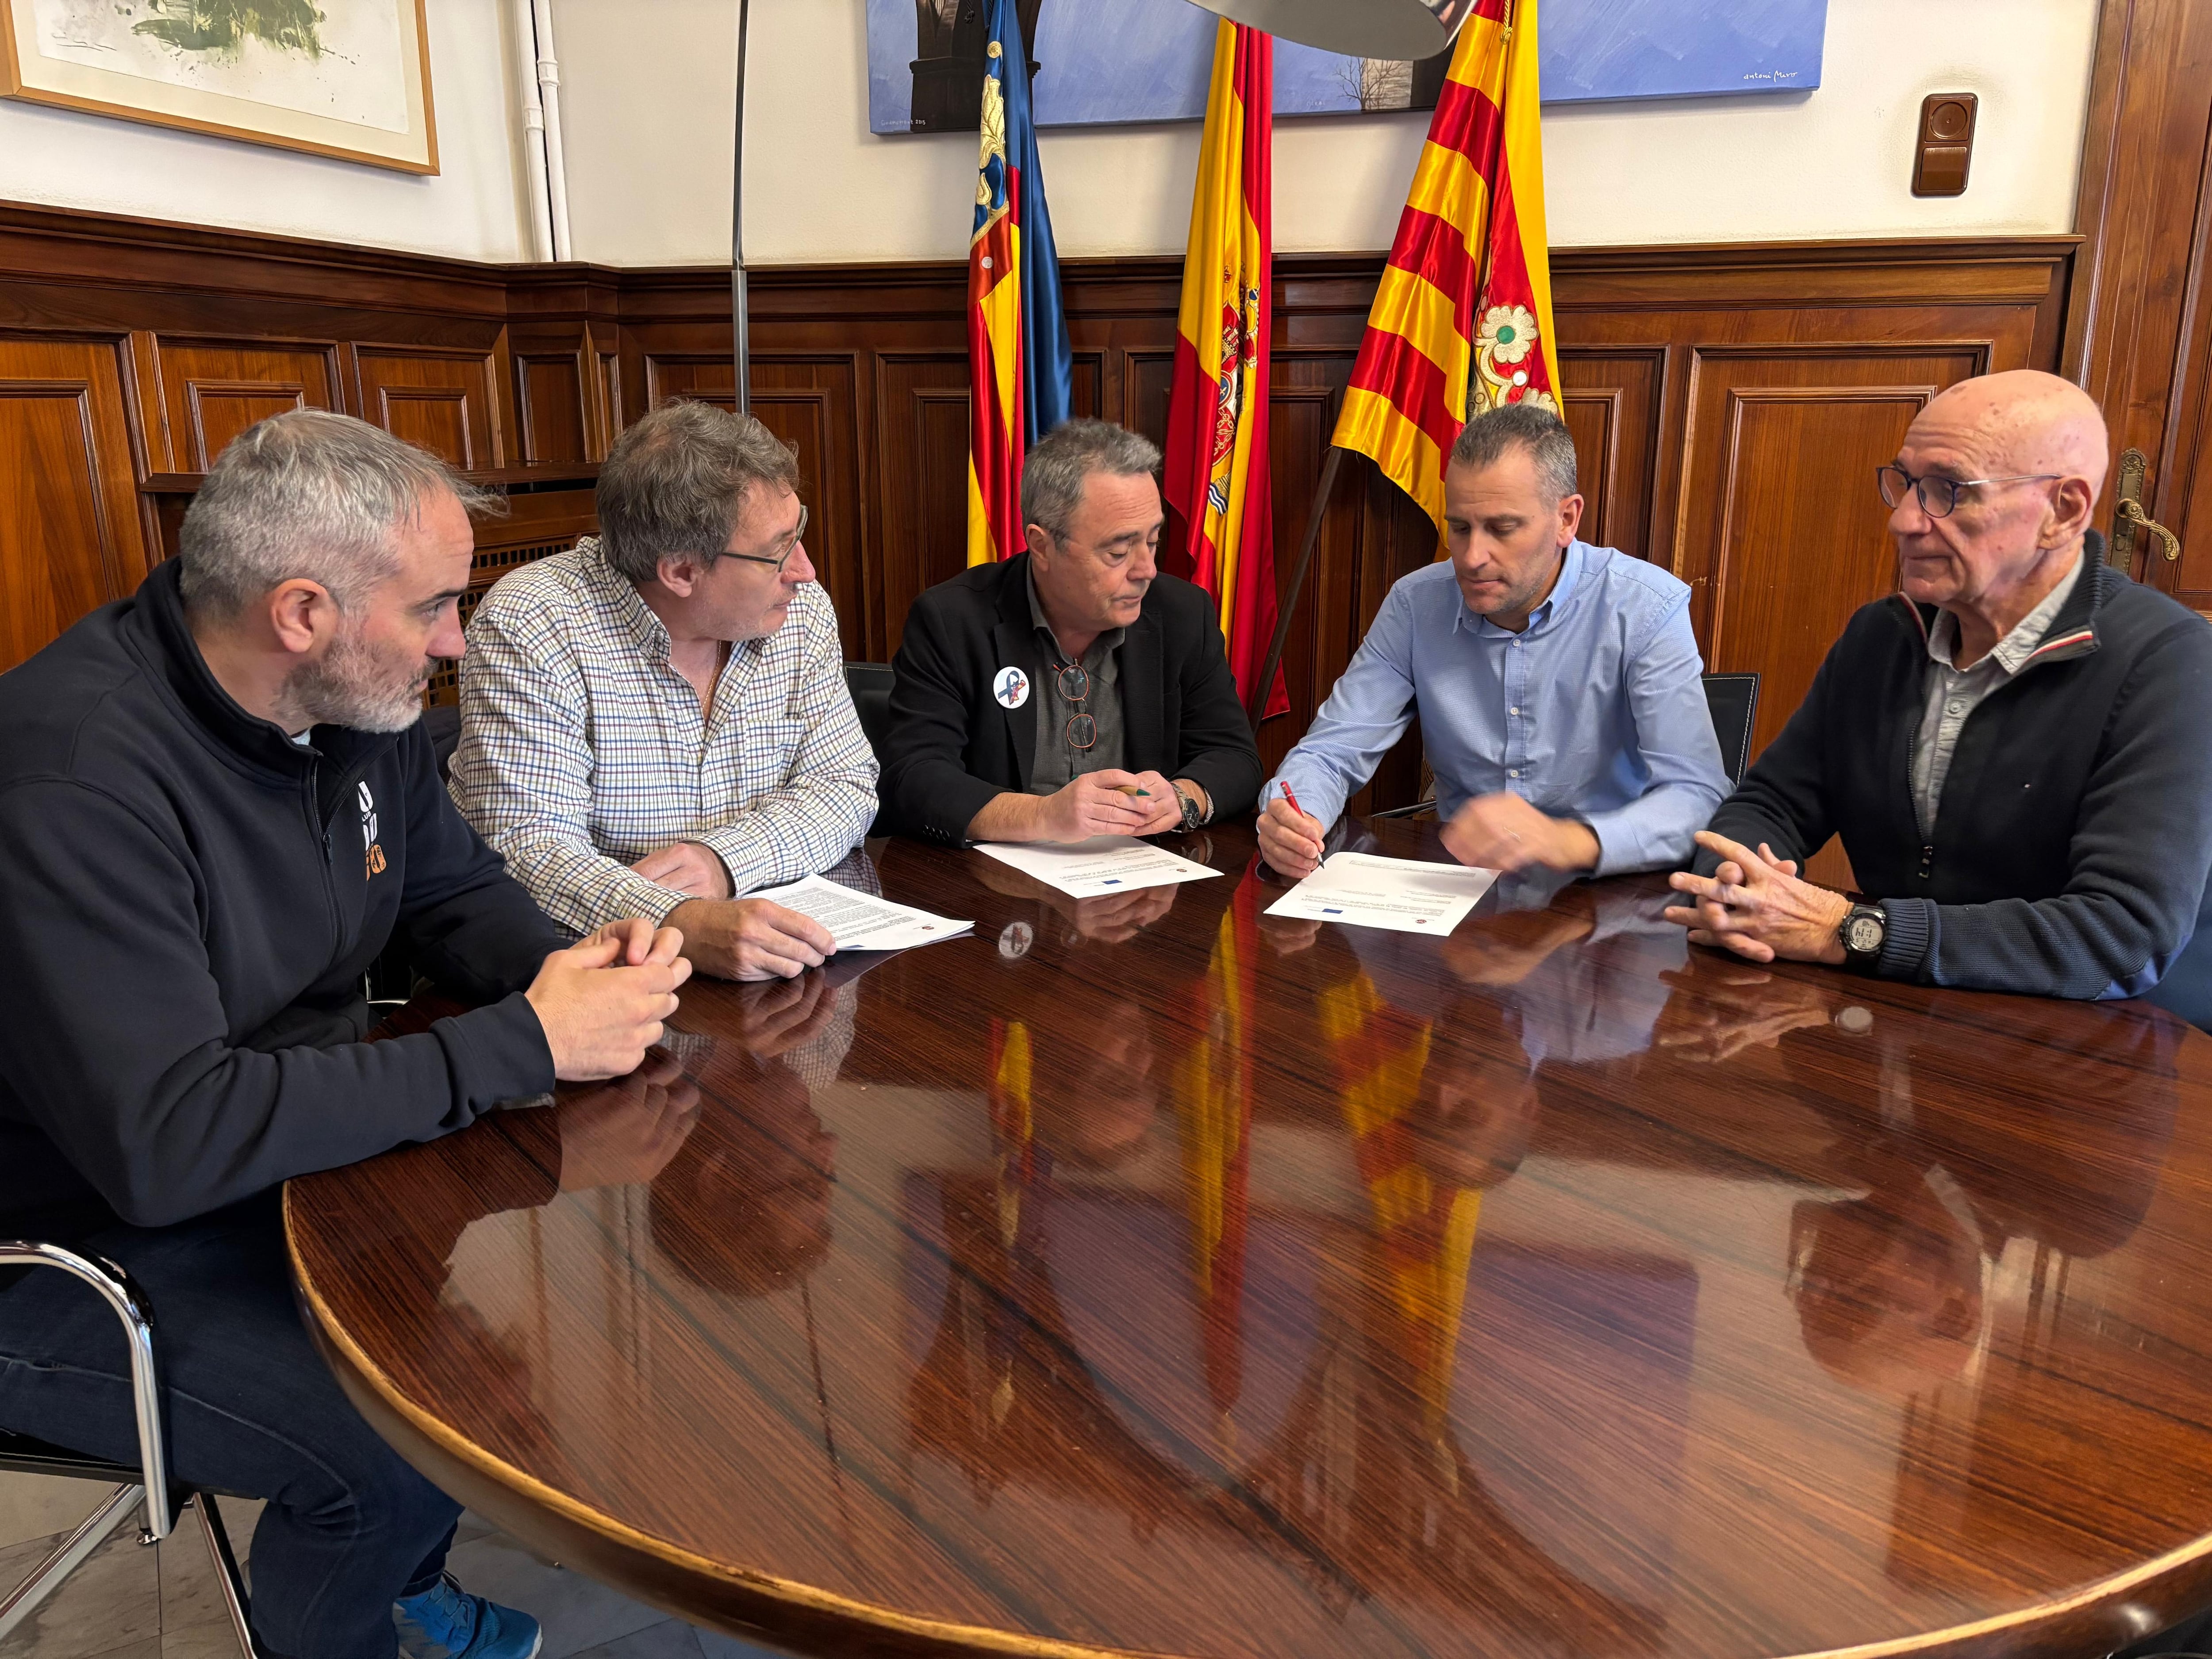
1776	76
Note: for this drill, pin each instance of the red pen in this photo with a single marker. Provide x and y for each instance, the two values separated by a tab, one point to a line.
1291	796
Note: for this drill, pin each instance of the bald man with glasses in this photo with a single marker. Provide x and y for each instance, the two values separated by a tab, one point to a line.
656	722
2012	748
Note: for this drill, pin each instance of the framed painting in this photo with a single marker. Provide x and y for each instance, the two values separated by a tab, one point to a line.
1100	60
348	78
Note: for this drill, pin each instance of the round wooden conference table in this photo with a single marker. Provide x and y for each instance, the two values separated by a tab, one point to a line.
1151	1275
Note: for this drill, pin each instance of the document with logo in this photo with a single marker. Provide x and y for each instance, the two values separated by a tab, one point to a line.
1103	864
1363	890
861	921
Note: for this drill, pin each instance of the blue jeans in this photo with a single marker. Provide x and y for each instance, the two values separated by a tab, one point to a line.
251	1409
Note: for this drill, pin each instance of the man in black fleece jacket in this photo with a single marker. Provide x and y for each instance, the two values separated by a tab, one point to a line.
2013	749
216	806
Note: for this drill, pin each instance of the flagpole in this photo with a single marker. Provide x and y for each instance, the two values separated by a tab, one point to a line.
741	344
1286	605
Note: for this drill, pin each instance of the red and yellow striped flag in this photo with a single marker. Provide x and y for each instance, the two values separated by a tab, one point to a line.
1219	498
1426	1230
1462	320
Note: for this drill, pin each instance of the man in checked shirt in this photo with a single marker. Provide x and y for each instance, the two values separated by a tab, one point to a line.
655	723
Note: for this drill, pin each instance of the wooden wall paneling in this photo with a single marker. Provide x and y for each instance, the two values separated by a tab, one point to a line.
536	523
812	403
71	536
921	476
198	393
705	375
603	359
1611	402
553	396
1086	384
505	368
445	400
1302	409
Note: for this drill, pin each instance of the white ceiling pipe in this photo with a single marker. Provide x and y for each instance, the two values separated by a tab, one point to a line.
549	93
533	134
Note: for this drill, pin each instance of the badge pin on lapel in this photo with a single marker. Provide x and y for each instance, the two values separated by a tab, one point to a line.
1011	687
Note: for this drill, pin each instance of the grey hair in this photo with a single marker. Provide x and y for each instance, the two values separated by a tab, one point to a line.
676	482
1053	473
1485	438
308	494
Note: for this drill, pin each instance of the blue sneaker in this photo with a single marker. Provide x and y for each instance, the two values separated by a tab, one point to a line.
446	1622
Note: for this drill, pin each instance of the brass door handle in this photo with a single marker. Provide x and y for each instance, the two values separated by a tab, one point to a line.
2129	516
2130	511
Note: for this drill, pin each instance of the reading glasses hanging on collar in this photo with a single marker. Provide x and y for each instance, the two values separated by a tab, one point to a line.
1358	28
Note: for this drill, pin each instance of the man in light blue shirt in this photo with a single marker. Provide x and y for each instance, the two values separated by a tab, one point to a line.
1558	683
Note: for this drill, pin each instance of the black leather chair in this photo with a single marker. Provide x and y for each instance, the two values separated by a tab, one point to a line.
1733	700
870	683
146	1488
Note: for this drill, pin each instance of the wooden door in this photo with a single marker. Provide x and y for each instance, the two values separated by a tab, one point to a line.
70	534
2139	334
1787	535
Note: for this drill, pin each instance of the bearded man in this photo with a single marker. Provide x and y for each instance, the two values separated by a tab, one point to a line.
216	806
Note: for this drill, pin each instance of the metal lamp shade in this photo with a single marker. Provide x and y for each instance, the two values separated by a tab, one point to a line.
1359	28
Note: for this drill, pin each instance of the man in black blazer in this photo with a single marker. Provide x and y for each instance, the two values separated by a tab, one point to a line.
1072	691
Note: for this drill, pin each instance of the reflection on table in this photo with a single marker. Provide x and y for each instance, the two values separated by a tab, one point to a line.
1168	1277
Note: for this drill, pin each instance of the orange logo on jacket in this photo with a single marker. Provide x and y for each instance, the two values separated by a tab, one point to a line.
371	852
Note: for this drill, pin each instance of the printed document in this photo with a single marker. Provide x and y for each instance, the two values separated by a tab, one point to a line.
1363	890
861	921
1103	864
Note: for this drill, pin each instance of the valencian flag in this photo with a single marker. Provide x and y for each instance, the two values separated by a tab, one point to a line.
1018	353
1220	501
1462	320
1426	1230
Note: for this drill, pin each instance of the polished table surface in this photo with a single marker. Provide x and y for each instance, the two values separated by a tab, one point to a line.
1149	1275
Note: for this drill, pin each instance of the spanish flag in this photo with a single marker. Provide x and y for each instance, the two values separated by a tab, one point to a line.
1463	321
1219	502
1018	352
1213	1107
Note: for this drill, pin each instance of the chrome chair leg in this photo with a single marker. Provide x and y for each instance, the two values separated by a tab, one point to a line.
123	1295
226	1574
24	1599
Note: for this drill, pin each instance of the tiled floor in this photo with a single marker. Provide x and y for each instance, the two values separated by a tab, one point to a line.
132	1602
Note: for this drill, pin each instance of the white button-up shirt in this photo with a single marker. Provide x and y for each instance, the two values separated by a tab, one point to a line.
583	749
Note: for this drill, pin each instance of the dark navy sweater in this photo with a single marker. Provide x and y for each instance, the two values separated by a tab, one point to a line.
2074	839
187	901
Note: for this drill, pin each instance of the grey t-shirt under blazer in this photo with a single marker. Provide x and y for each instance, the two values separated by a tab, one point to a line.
1058	762
1955	693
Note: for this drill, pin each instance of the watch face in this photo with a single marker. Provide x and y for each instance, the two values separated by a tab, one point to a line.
1863	934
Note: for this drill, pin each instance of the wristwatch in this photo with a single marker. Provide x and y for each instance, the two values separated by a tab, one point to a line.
1861	934
1193	814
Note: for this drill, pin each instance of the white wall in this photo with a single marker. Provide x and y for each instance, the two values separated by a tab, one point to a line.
648	91
647	85
472	209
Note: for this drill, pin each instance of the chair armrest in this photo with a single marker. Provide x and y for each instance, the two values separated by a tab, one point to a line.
129	1302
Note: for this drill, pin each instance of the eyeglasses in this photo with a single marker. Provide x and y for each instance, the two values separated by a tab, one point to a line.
1075	686
789	546
1939	495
